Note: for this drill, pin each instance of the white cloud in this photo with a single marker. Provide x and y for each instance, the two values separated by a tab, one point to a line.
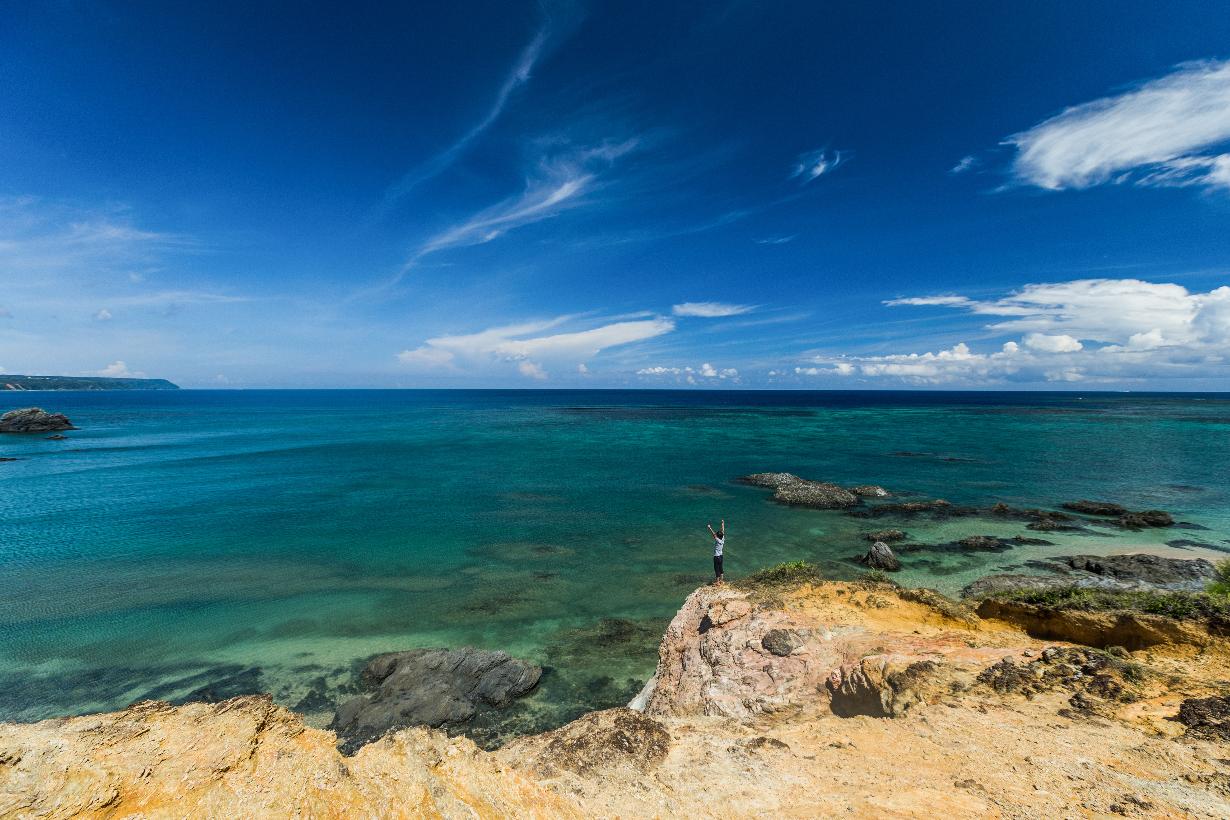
1103	330
119	370
102	315
1155	134
529	345
710	310
583	369
815	164
517	76
1059	343
708	371
531	370
963	165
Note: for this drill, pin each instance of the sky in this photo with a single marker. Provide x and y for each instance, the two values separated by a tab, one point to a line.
793	195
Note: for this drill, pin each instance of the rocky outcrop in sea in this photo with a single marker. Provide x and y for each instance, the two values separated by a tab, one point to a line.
34	420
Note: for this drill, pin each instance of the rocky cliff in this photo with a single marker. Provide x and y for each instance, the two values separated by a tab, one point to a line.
779	699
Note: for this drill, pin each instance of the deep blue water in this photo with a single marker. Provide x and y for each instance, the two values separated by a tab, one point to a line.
273	538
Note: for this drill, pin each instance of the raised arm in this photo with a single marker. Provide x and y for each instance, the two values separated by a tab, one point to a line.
711	532
723	527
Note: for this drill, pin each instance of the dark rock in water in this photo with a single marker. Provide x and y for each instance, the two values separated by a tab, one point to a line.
6	458
870	491
34	420
987	543
781	642
1187	543
431	687
1025	540
938	509
1206	718
885	535
57	437
790	489
317	699
1154	571
1086	507
1146	518
1051	525
247	682
880	556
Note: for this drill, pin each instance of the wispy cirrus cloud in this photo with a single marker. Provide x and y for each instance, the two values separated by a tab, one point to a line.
815	164
518	75
1096	330
1170	131
529	346
710	310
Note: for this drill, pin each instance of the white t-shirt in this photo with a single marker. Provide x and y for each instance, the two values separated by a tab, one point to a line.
718	543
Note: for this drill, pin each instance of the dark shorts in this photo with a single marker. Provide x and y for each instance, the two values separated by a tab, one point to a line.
717	566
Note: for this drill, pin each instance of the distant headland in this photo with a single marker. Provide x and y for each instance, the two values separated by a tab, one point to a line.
14	382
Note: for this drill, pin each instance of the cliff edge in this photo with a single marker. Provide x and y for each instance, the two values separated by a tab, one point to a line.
783	697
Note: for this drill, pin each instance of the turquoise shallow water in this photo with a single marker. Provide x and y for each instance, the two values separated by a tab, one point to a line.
270	539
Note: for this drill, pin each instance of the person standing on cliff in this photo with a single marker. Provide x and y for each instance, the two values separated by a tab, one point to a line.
719	543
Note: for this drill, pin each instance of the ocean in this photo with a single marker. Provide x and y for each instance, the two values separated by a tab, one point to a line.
205	543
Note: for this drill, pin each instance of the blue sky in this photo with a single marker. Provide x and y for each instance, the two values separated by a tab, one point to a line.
793	195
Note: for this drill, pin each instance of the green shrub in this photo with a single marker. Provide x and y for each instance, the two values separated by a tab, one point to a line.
791	573
1221	586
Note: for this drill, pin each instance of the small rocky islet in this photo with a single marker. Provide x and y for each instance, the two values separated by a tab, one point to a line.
34	420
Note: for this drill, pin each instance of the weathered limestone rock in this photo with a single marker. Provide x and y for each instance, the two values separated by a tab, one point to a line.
790	489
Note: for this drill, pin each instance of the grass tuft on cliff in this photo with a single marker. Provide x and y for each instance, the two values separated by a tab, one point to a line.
1221	587
1182	606
789	574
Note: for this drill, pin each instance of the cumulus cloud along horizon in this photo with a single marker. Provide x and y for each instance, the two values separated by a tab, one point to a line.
1170	131
1097	330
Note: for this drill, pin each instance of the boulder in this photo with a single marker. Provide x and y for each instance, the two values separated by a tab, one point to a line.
870	491
430	687
781	642
795	491
34	420
880	556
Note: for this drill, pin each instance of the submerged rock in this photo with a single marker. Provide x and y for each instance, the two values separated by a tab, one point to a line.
870	491
790	489
1104	508
34	420
885	535
431	687
880	556
1146	518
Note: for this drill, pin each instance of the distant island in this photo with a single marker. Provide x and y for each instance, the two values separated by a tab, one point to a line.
14	382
